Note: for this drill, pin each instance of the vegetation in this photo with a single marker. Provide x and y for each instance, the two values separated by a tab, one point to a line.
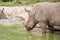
22	2
18	32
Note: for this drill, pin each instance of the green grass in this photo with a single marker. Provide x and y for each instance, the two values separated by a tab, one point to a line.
24	2
18	32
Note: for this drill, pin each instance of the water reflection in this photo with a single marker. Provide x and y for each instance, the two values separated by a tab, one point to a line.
50	37
57	36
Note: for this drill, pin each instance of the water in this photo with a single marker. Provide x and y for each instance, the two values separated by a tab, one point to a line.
50	37
18	32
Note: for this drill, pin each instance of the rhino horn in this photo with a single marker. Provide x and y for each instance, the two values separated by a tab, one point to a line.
2	9
27	10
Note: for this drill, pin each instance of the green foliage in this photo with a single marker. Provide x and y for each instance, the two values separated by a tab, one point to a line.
22	2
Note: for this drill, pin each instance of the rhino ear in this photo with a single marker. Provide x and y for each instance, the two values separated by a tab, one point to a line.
27	10
2	10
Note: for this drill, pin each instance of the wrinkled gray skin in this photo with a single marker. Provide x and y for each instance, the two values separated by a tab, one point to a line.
2	15
44	14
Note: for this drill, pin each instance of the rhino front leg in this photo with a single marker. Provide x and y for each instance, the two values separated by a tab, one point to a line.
43	26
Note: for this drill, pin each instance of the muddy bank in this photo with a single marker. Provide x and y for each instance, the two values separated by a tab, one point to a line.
14	14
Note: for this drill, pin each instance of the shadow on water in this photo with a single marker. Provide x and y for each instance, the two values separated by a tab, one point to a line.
57	36
50	37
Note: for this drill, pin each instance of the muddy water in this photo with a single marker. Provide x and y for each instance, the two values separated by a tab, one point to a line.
48	36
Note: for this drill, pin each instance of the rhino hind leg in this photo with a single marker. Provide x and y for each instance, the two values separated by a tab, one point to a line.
51	28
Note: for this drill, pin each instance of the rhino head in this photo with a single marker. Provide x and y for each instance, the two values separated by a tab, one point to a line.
2	15
31	22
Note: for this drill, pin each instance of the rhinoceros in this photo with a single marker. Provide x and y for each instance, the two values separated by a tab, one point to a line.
43	14
2	15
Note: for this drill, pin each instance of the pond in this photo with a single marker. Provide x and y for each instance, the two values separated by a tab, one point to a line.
50	37
18	32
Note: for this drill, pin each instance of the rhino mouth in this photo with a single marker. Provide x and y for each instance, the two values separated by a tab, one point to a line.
29	28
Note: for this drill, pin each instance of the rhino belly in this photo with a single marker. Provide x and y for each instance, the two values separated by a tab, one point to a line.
55	20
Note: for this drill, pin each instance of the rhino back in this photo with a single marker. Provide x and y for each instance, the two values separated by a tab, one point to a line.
51	11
